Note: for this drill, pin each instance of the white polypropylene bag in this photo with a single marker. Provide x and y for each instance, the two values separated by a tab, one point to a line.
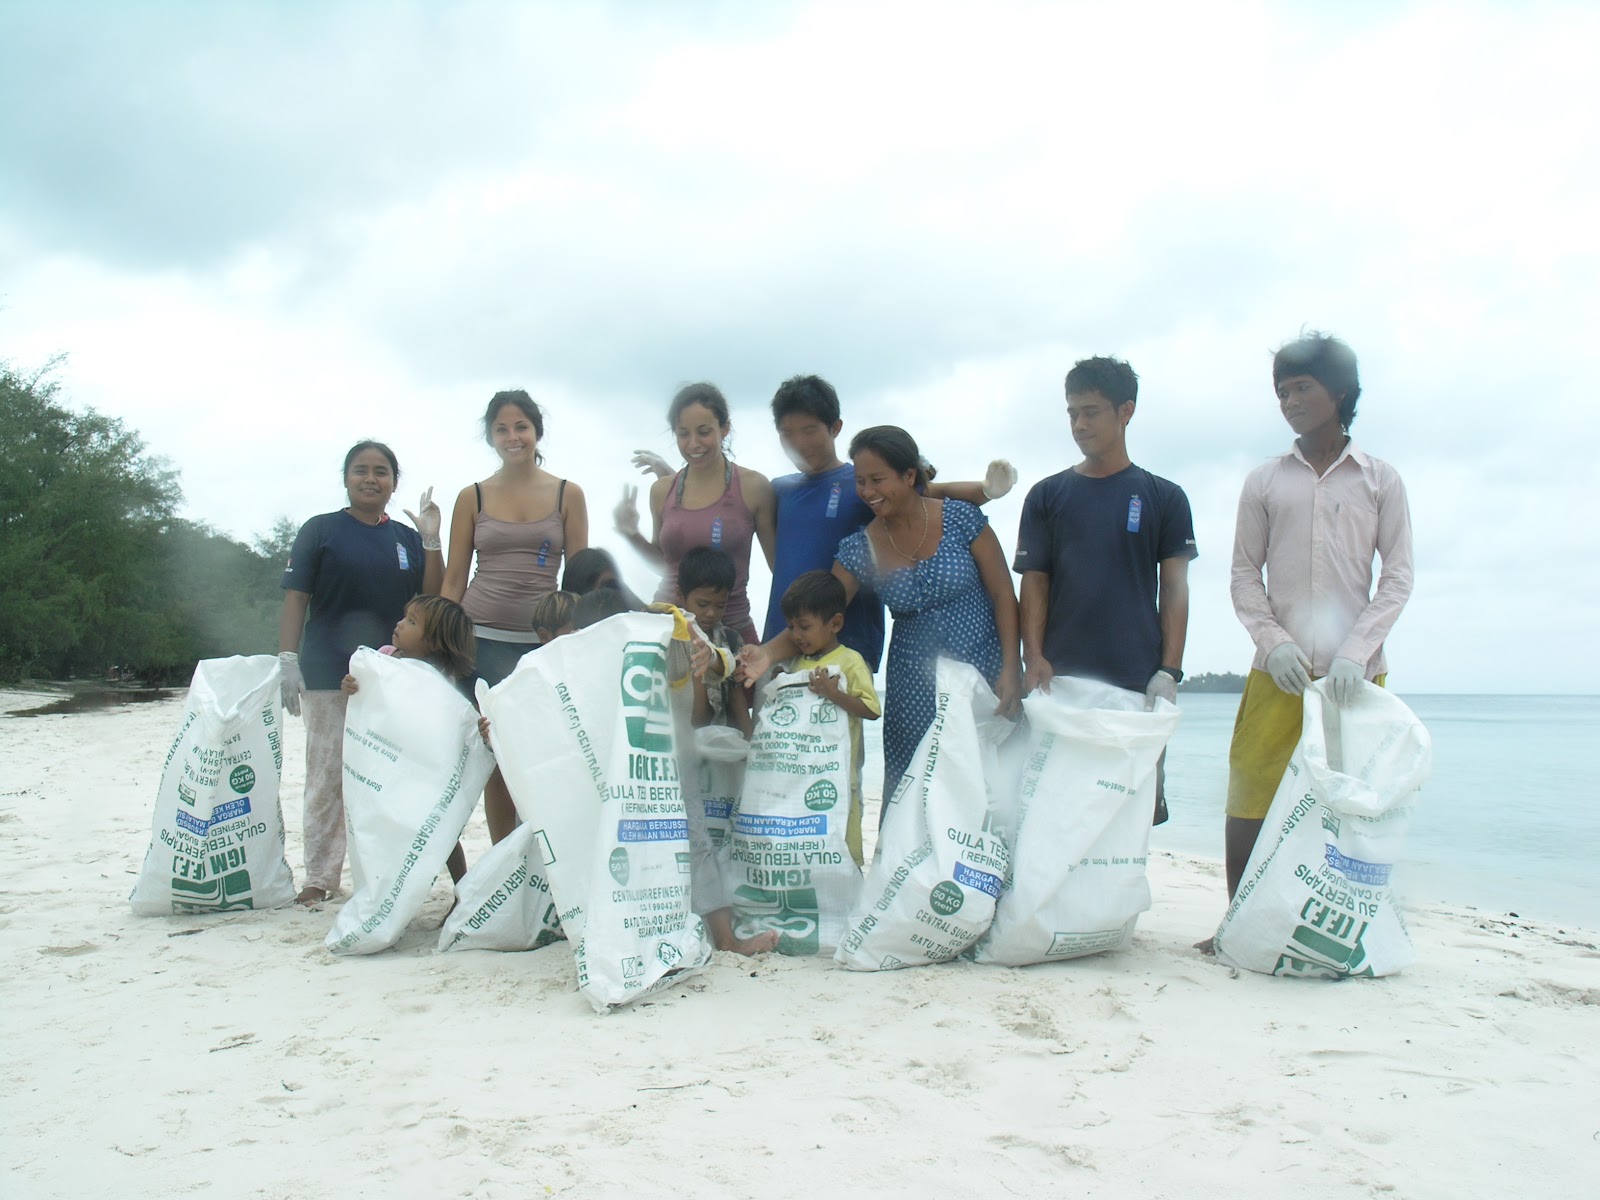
503	902
792	867
931	890
1080	831
1316	895
414	767
721	751
217	837
586	738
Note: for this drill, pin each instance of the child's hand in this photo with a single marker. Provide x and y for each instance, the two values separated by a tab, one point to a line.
349	686
754	663
483	731
826	684
700	656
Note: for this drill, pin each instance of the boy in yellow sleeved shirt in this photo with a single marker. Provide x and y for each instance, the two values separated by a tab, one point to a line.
813	607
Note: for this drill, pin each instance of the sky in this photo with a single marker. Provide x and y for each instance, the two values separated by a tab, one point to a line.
260	232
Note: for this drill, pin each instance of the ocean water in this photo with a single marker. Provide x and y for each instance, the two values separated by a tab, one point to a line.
1508	822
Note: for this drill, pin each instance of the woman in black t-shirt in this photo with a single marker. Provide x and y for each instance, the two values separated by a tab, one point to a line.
346	585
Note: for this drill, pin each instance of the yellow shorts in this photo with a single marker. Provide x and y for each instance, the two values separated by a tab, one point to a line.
1265	733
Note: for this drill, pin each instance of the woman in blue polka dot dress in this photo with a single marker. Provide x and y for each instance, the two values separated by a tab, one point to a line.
939	568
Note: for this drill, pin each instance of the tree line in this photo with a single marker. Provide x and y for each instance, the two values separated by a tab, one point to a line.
97	569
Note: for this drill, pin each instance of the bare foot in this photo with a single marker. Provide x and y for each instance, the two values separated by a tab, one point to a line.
1209	946
311	896
750	946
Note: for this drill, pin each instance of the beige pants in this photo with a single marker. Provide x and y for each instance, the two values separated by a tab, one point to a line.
323	713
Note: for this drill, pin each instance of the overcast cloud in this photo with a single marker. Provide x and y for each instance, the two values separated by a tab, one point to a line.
262	231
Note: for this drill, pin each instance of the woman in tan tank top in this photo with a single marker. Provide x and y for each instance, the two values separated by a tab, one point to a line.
519	524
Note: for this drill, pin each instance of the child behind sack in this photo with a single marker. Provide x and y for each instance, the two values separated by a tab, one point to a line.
705	581
813	606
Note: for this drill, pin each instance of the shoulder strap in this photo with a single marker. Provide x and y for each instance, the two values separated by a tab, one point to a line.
561	490
682	478
477	489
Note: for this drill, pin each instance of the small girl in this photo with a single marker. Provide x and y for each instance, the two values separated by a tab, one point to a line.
552	616
438	632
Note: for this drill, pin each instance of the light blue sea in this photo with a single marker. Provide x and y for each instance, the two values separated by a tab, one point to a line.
1508	822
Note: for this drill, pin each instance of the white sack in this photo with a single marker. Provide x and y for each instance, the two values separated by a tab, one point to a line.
1080	831
503	902
414	767
586	738
792	870
1316	896
217	837
720	755
931	890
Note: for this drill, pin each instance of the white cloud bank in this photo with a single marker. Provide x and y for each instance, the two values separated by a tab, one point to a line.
263	233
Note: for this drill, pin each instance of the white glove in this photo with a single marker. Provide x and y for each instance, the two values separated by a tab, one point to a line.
651	463
626	513
999	479
428	523
1163	686
1290	668
291	682
1345	677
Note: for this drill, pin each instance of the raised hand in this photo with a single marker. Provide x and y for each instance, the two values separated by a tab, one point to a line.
999	479
626	513
427	519
651	463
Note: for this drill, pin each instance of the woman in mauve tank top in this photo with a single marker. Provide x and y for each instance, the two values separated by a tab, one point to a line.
710	502
519	524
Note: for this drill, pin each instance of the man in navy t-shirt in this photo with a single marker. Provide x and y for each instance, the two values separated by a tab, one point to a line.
818	507
1104	550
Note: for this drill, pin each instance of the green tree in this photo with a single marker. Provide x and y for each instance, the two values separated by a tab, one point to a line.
96	568
83	512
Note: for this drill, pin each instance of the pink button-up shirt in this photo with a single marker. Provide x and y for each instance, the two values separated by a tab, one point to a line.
1316	538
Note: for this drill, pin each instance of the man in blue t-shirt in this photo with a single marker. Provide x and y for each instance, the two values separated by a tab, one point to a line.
818	507
1104	550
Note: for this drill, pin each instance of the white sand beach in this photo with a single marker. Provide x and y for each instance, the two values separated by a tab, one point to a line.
233	1056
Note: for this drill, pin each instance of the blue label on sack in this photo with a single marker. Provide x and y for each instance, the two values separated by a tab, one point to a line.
982	881
1353	869
833	500
544	552
220	815
669	829
400	553
1134	508
716	532
758	825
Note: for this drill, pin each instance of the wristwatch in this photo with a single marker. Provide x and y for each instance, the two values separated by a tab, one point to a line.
1175	672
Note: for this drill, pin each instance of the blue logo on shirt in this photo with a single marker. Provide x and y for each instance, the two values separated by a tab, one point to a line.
400	553
544	552
1134	508
716	532
833	500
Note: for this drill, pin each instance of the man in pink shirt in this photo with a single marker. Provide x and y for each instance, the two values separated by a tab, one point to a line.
1313	519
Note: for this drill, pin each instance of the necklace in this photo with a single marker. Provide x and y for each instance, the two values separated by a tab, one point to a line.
912	557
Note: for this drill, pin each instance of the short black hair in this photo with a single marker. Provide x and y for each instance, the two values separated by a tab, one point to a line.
809	395
1111	377
1327	360
705	566
596	606
369	444
816	594
898	449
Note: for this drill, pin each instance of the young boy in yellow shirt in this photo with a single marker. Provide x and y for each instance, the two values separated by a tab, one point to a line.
813	607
